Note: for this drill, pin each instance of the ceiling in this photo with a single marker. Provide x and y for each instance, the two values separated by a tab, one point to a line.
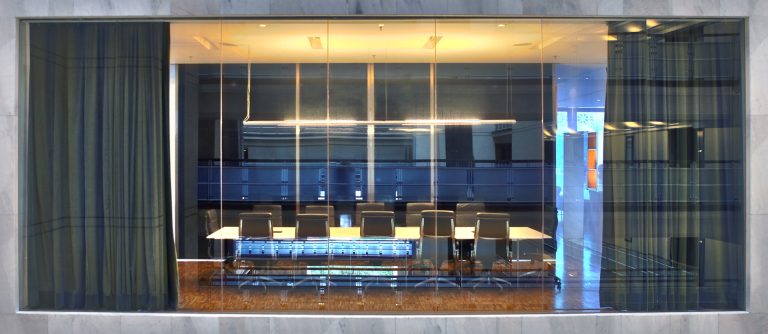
388	40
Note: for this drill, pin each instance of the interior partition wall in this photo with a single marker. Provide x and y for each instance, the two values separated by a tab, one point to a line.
487	165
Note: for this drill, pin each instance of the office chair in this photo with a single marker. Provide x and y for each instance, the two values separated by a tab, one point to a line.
211	225
275	210
254	226
466	213
360	207
413	212
436	243
323	209
377	224
310	225
491	245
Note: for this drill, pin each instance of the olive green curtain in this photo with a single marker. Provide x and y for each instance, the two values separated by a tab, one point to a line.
98	230
673	195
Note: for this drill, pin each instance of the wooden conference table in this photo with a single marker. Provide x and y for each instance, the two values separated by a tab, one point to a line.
401	233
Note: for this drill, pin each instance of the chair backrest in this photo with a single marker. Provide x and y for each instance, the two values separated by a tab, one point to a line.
360	207
256	225
436	243
466	213
275	210
491	238
413	212
377	224
211	221
323	210
437	223
312	225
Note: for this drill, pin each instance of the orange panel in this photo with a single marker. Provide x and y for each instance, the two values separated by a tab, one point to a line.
592	179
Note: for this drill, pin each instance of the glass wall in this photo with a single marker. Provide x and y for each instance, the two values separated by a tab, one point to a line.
450	165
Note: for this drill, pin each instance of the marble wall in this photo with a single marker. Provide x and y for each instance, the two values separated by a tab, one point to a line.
755	320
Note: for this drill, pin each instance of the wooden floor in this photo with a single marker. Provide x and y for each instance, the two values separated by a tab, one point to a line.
198	295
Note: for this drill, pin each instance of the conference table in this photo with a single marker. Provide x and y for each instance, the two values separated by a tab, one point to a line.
347	243
401	233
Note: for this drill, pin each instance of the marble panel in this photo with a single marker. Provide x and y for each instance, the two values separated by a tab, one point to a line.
509	325
24	8
8	265
196	7
145	324
646	7
695	7
299	7
757	185
560	324
245	7
734	7
61	8
473	325
511	7
472	7
413	7
642	323
608	323
304	324
195	324
95	324
610	7
743	323
693	324
757	294
9	169
560	7
24	323
372	7
383	325
235	324
417	324
122	8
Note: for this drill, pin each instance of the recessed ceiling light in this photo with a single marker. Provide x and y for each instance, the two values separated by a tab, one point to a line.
262	25
650	23
432	42
315	42
501	25
381	25
204	42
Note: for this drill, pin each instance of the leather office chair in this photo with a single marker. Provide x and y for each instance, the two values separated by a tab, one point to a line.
254	225
312	225
466	213
436	244
491	246
360	207
413	212
377	224
323	209
211	225
275	210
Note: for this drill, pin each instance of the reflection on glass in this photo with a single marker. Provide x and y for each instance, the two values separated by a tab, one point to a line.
580	155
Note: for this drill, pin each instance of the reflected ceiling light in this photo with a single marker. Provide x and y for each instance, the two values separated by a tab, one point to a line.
547	133
204	42
381	25
409	129
469	121
634	28
633	125
657	123
501	25
262	25
315	42
610	127
432	42
609	38
650	23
